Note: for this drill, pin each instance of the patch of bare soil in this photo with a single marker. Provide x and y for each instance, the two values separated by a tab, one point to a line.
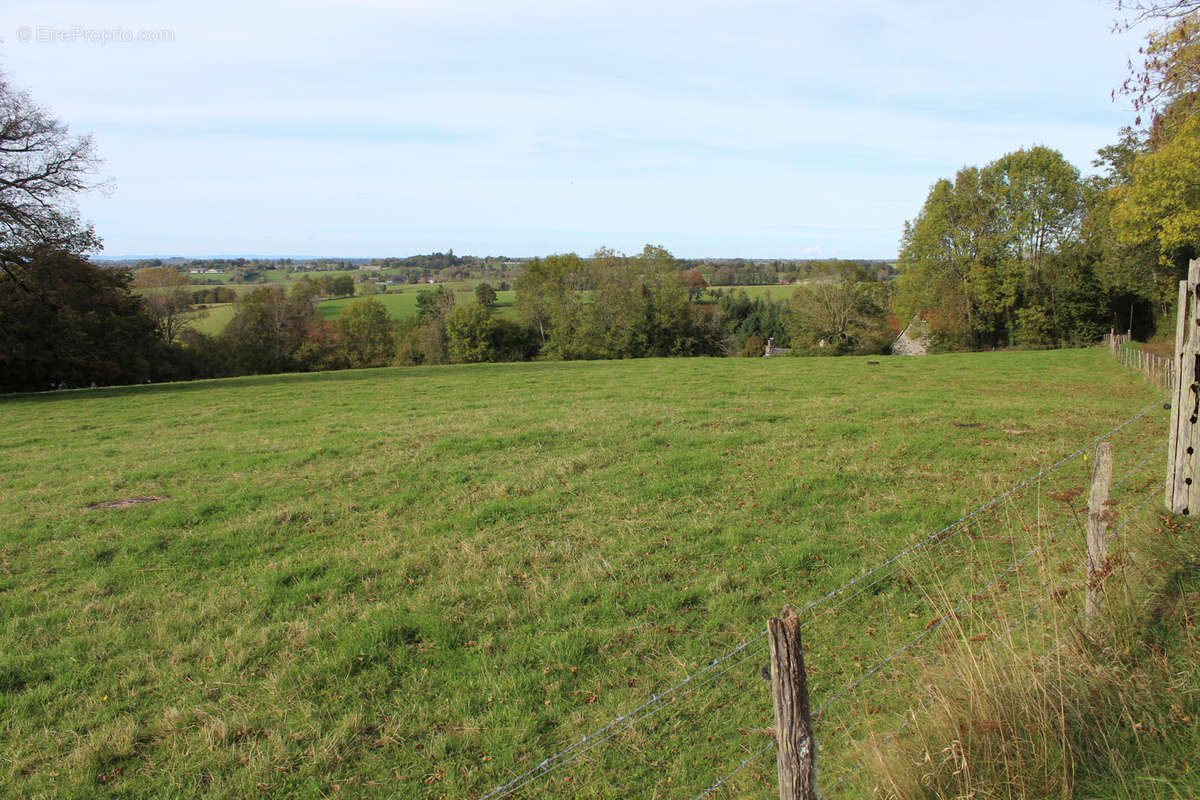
127	502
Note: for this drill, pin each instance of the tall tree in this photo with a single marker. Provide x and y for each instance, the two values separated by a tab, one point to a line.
694	282
1038	200
485	294
949	256
975	261
1155	203
42	168
167	300
365	334
423	340
550	299
1160	204
270	328
842	316
1166	86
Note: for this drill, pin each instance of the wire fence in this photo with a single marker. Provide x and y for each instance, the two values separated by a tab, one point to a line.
1005	635
1155	368
972	559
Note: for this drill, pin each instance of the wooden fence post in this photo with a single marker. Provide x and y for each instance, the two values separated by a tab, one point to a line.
796	752
1097	528
1183	458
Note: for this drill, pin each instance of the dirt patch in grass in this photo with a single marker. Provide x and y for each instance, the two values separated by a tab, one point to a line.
128	502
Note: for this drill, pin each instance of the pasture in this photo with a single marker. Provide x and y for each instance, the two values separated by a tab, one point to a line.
419	582
401	302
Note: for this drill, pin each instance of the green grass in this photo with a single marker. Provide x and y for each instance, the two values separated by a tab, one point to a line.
269	276
420	582
1066	707
778	292
401	302
212	320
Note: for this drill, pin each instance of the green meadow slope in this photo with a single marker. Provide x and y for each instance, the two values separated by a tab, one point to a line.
421	582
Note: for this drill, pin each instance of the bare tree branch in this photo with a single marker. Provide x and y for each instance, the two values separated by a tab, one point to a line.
42	168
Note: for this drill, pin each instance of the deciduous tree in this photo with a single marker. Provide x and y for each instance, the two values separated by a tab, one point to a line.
365	334
846	316
485	294
167	300
79	325
270	327
42	168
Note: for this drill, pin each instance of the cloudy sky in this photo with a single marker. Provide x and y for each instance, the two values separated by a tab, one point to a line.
748	128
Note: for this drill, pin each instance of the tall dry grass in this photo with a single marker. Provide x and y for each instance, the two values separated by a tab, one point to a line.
1038	702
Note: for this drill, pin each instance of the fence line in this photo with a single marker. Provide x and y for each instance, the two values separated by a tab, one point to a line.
923	707
896	653
1154	367
931	627
981	509
966	600
689	684
656	703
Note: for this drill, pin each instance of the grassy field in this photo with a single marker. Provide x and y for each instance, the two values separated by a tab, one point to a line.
212	320
777	292
272	277
421	582
401	303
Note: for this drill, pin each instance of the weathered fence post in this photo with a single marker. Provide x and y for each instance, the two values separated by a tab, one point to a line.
1097	528
796	751
1183	460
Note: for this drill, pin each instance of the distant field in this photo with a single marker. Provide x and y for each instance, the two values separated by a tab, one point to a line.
777	292
420	582
270	276
401	303
212	320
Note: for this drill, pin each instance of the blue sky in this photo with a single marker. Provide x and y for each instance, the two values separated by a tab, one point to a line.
525	127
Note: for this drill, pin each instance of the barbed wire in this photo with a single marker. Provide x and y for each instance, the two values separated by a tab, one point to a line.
924	705
853	686
912	716
885	575
967	600
725	778
930	628
1137	467
660	700
985	507
656	703
1128	518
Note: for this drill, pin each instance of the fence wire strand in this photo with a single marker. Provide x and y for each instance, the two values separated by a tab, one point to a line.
981	509
913	715
660	700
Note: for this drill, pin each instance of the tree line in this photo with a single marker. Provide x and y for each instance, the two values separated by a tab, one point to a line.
1023	251
87	324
